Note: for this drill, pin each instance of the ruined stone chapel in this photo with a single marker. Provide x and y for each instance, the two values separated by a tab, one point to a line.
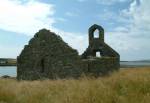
48	56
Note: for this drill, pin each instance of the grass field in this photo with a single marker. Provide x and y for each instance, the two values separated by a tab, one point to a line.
125	86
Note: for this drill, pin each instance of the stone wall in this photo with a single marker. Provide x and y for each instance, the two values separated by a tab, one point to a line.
48	56
100	66
109	60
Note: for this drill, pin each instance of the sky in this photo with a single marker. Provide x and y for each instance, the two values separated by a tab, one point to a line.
126	24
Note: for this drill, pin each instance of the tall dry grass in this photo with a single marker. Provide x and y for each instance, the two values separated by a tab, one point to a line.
125	86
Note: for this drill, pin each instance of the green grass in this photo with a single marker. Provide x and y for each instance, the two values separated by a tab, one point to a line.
125	86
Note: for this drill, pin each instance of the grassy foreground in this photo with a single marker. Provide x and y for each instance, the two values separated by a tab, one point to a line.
125	86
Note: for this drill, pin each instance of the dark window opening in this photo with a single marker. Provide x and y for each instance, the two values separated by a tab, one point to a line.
88	68
42	66
96	33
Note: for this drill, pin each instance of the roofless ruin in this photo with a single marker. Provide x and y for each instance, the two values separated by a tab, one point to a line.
48	56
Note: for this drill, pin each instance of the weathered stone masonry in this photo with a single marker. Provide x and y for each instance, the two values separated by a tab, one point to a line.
109	59
48	56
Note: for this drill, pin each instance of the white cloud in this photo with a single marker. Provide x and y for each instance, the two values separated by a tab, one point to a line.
140	22
29	17
61	19
111	2
81	0
71	14
133	39
75	40
26	17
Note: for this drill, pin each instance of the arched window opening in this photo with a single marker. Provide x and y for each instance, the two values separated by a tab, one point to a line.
98	54
96	33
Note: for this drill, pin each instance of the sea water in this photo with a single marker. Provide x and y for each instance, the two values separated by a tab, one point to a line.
8	70
12	70
135	64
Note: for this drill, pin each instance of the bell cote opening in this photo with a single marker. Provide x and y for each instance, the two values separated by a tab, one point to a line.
96	33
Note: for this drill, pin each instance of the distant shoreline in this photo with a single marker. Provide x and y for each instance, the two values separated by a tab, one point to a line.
123	64
134	66
8	62
8	65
